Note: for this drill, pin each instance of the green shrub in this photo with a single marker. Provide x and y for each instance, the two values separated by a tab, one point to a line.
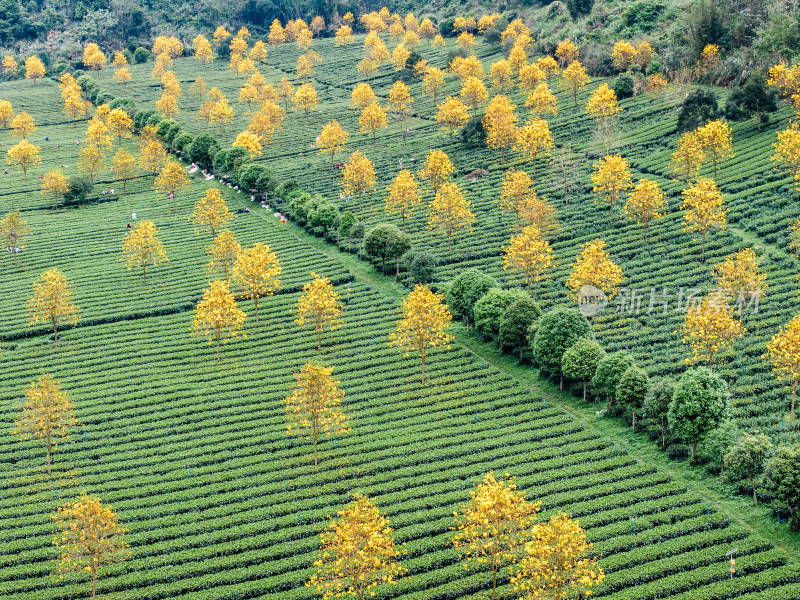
140	55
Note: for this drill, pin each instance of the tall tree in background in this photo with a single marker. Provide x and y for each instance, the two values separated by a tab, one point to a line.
332	139
594	267
715	141
172	179
358	176
24	154
403	195
437	169
13	231
211	212
645	203
529	254
705	211
783	351
710	329
611	177
141	247
224	251
314	406
450	212
45	414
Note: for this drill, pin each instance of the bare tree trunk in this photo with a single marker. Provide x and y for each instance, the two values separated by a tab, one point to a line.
423	368
753	485
55	332
692	446
255	303
217	335
584	391
48	446
633	427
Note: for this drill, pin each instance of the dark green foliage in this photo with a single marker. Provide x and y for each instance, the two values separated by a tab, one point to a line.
346	222
385	242
154	120
203	150
446	28
423	267
558	330
266	183
249	176
466	290
286	188
580	361
324	216
301	204
699	404
623	86
656	405
126	104
754	98
782	479
699	107
491	307
128	55
78	189
631	390
706	25
170	134
140	55
164	127
141	117
236	157
579	8
653	67
716	446
103	97
182	142
609	372
220	159
473	135
747	457
517	318
643	15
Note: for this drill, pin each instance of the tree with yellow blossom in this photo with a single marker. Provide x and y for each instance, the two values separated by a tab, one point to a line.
313	409
556	562
124	165
688	156
305	98
593	266
216	316
142	248
500	123
373	117
257	272
54	185
357	553
358	176
623	55
534	140
423	324
645	203
172	179
529	254
715	141
575	77
541	101
13	231
452	115
566	53
46	414
332	139
704	210
22	125
51	302
433	81
25	155
740	274
88	537
400	100
224	251
474	93
437	169
611	177
403	195
494	525
602	107
249	141
783	351
710	328
319	307
211	212
34	68
450	212
787	152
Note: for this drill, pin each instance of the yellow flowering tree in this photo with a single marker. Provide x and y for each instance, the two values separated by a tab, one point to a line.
452	115
529	254
474	93
357	553
51	302
423	323
249	141
541	101
257	271
740	274
517	188
358	176
216	317
46	414
34	68
602	107
141	247
610	178
623	55
224	251
314	406
783	351
54	185
494	525
332	139
566	52
437	169
400	100
715	141
645	203
787	152
594	267
403	195
88	537
305	97
575	77
705	211
500	123
25	155
211	212
556	562
433	81
688	156
172	179
533	140
450	212
319	307
710	329
13	231
373	117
